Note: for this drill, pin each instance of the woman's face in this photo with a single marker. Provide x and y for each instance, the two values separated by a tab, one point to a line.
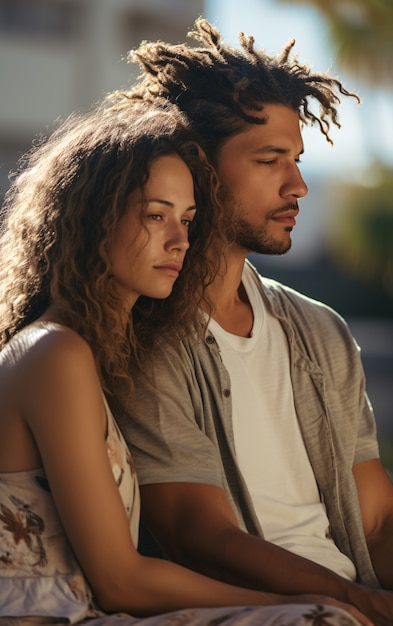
151	239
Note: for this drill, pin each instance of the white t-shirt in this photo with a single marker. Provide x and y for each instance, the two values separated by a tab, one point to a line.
268	441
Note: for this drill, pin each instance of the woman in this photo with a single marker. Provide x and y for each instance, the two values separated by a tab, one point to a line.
101	214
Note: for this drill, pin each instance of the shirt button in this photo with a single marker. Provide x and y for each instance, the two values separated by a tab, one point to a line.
227	393
210	339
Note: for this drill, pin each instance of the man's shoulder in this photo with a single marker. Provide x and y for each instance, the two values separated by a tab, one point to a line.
285	300
176	356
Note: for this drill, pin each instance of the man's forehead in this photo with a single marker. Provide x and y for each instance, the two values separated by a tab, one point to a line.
265	109
280	124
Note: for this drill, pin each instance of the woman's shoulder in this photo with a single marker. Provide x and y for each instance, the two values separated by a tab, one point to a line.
44	341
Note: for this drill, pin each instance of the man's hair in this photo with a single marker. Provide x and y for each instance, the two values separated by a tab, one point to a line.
218	86
59	219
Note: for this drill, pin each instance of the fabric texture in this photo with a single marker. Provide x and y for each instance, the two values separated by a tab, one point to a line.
283	615
268	439
179	424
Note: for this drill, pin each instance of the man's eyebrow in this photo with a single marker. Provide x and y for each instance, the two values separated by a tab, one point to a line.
168	203
273	149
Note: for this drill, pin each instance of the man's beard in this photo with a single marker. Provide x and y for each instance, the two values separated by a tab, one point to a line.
258	240
254	238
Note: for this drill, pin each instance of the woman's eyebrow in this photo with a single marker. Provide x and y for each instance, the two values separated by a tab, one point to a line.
169	204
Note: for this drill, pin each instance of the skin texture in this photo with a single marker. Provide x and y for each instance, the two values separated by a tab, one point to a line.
53	415
149	263
259	171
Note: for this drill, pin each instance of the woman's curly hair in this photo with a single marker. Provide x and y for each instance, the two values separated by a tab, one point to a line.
59	218
218	86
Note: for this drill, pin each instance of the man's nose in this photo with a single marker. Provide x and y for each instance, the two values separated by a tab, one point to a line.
295	185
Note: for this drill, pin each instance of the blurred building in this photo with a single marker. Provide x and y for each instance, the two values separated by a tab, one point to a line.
57	56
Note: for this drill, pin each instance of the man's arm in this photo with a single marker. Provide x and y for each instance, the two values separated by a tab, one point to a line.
196	526
375	492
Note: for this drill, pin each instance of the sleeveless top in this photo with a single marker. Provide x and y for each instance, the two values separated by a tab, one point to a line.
39	574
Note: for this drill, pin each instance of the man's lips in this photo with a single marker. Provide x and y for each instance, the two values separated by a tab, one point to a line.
287	218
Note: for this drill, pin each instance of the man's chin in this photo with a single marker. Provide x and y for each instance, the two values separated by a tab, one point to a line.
272	250
263	244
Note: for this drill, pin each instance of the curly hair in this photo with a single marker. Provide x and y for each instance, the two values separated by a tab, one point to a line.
218	86
59	218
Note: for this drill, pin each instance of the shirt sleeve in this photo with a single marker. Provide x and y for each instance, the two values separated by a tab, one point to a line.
367	443
164	422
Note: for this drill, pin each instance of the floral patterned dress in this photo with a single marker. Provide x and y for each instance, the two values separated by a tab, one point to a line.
41	582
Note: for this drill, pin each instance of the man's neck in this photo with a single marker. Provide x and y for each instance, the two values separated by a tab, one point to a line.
230	305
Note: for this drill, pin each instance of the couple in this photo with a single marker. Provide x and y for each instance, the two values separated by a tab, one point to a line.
95	231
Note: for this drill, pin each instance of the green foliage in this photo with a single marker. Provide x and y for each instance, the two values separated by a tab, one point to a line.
361	32
362	237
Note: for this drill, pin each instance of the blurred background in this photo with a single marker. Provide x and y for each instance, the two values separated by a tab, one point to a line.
57	56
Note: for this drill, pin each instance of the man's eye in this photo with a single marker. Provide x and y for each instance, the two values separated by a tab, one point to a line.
270	162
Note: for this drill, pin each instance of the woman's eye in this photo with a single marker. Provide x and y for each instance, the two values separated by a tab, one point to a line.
154	216
187	222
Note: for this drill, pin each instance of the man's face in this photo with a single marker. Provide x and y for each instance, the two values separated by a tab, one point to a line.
261	181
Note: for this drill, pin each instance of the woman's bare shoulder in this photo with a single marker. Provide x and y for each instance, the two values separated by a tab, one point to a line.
43	340
42	371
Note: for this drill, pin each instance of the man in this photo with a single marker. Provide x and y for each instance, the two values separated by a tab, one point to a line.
256	447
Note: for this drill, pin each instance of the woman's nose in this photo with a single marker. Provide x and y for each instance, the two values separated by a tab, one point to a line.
178	238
